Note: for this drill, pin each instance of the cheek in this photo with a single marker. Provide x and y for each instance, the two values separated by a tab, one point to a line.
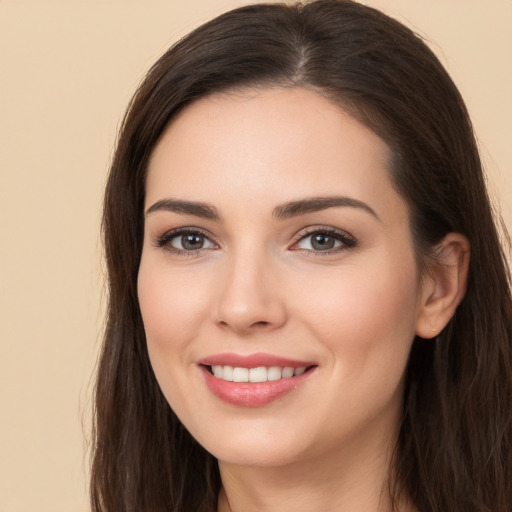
365	320
173	308
172	305
365	314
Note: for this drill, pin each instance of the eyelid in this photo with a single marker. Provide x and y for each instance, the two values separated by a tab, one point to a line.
162	241
347	240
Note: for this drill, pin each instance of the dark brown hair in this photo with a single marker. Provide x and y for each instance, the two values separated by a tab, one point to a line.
454	447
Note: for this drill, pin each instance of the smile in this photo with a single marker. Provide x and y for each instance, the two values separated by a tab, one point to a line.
254	380
259	374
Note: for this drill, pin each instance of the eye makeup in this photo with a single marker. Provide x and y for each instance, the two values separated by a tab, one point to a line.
317	240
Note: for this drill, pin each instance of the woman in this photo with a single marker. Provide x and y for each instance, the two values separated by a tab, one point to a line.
309	304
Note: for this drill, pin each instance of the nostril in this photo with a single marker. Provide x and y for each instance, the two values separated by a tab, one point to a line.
261	323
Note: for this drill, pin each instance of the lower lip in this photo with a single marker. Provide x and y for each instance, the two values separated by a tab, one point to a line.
252	394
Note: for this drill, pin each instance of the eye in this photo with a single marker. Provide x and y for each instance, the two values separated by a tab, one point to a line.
185	241
324	240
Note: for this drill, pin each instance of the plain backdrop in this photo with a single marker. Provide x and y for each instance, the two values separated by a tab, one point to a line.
68	69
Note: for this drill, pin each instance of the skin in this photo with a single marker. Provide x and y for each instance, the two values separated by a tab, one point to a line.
258	285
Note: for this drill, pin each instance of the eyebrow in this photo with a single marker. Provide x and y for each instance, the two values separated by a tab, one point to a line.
206	211
281	212
315	204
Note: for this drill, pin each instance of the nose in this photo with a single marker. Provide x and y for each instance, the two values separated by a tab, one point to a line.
250	298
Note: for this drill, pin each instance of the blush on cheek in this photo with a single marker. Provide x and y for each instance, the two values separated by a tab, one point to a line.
364	314
169	316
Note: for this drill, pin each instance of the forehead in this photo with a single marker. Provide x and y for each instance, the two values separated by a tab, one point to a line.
264	144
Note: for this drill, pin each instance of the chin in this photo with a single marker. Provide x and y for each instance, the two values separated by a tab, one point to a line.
255	455
258	446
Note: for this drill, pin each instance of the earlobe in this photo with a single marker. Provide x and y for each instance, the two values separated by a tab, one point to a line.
444	286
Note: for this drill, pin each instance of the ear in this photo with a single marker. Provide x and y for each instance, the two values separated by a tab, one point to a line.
444	285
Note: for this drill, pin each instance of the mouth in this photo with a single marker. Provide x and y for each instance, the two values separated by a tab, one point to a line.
255	380
258	374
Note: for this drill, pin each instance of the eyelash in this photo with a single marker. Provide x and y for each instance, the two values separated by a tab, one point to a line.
164	241
347	241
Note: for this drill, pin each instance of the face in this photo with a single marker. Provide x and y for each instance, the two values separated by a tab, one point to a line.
277	254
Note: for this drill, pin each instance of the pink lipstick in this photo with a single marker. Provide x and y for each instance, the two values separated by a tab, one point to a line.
253	380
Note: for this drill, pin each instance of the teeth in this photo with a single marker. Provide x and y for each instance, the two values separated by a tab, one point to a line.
240	375
227	373
260	374
287	372
274	373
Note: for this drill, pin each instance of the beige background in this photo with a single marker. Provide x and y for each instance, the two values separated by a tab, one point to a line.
67	69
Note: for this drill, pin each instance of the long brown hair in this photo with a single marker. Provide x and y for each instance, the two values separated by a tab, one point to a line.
454	447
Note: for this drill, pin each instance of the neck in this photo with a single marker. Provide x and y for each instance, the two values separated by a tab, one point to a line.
354	478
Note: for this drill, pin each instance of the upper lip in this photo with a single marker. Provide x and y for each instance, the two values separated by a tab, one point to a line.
252	361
